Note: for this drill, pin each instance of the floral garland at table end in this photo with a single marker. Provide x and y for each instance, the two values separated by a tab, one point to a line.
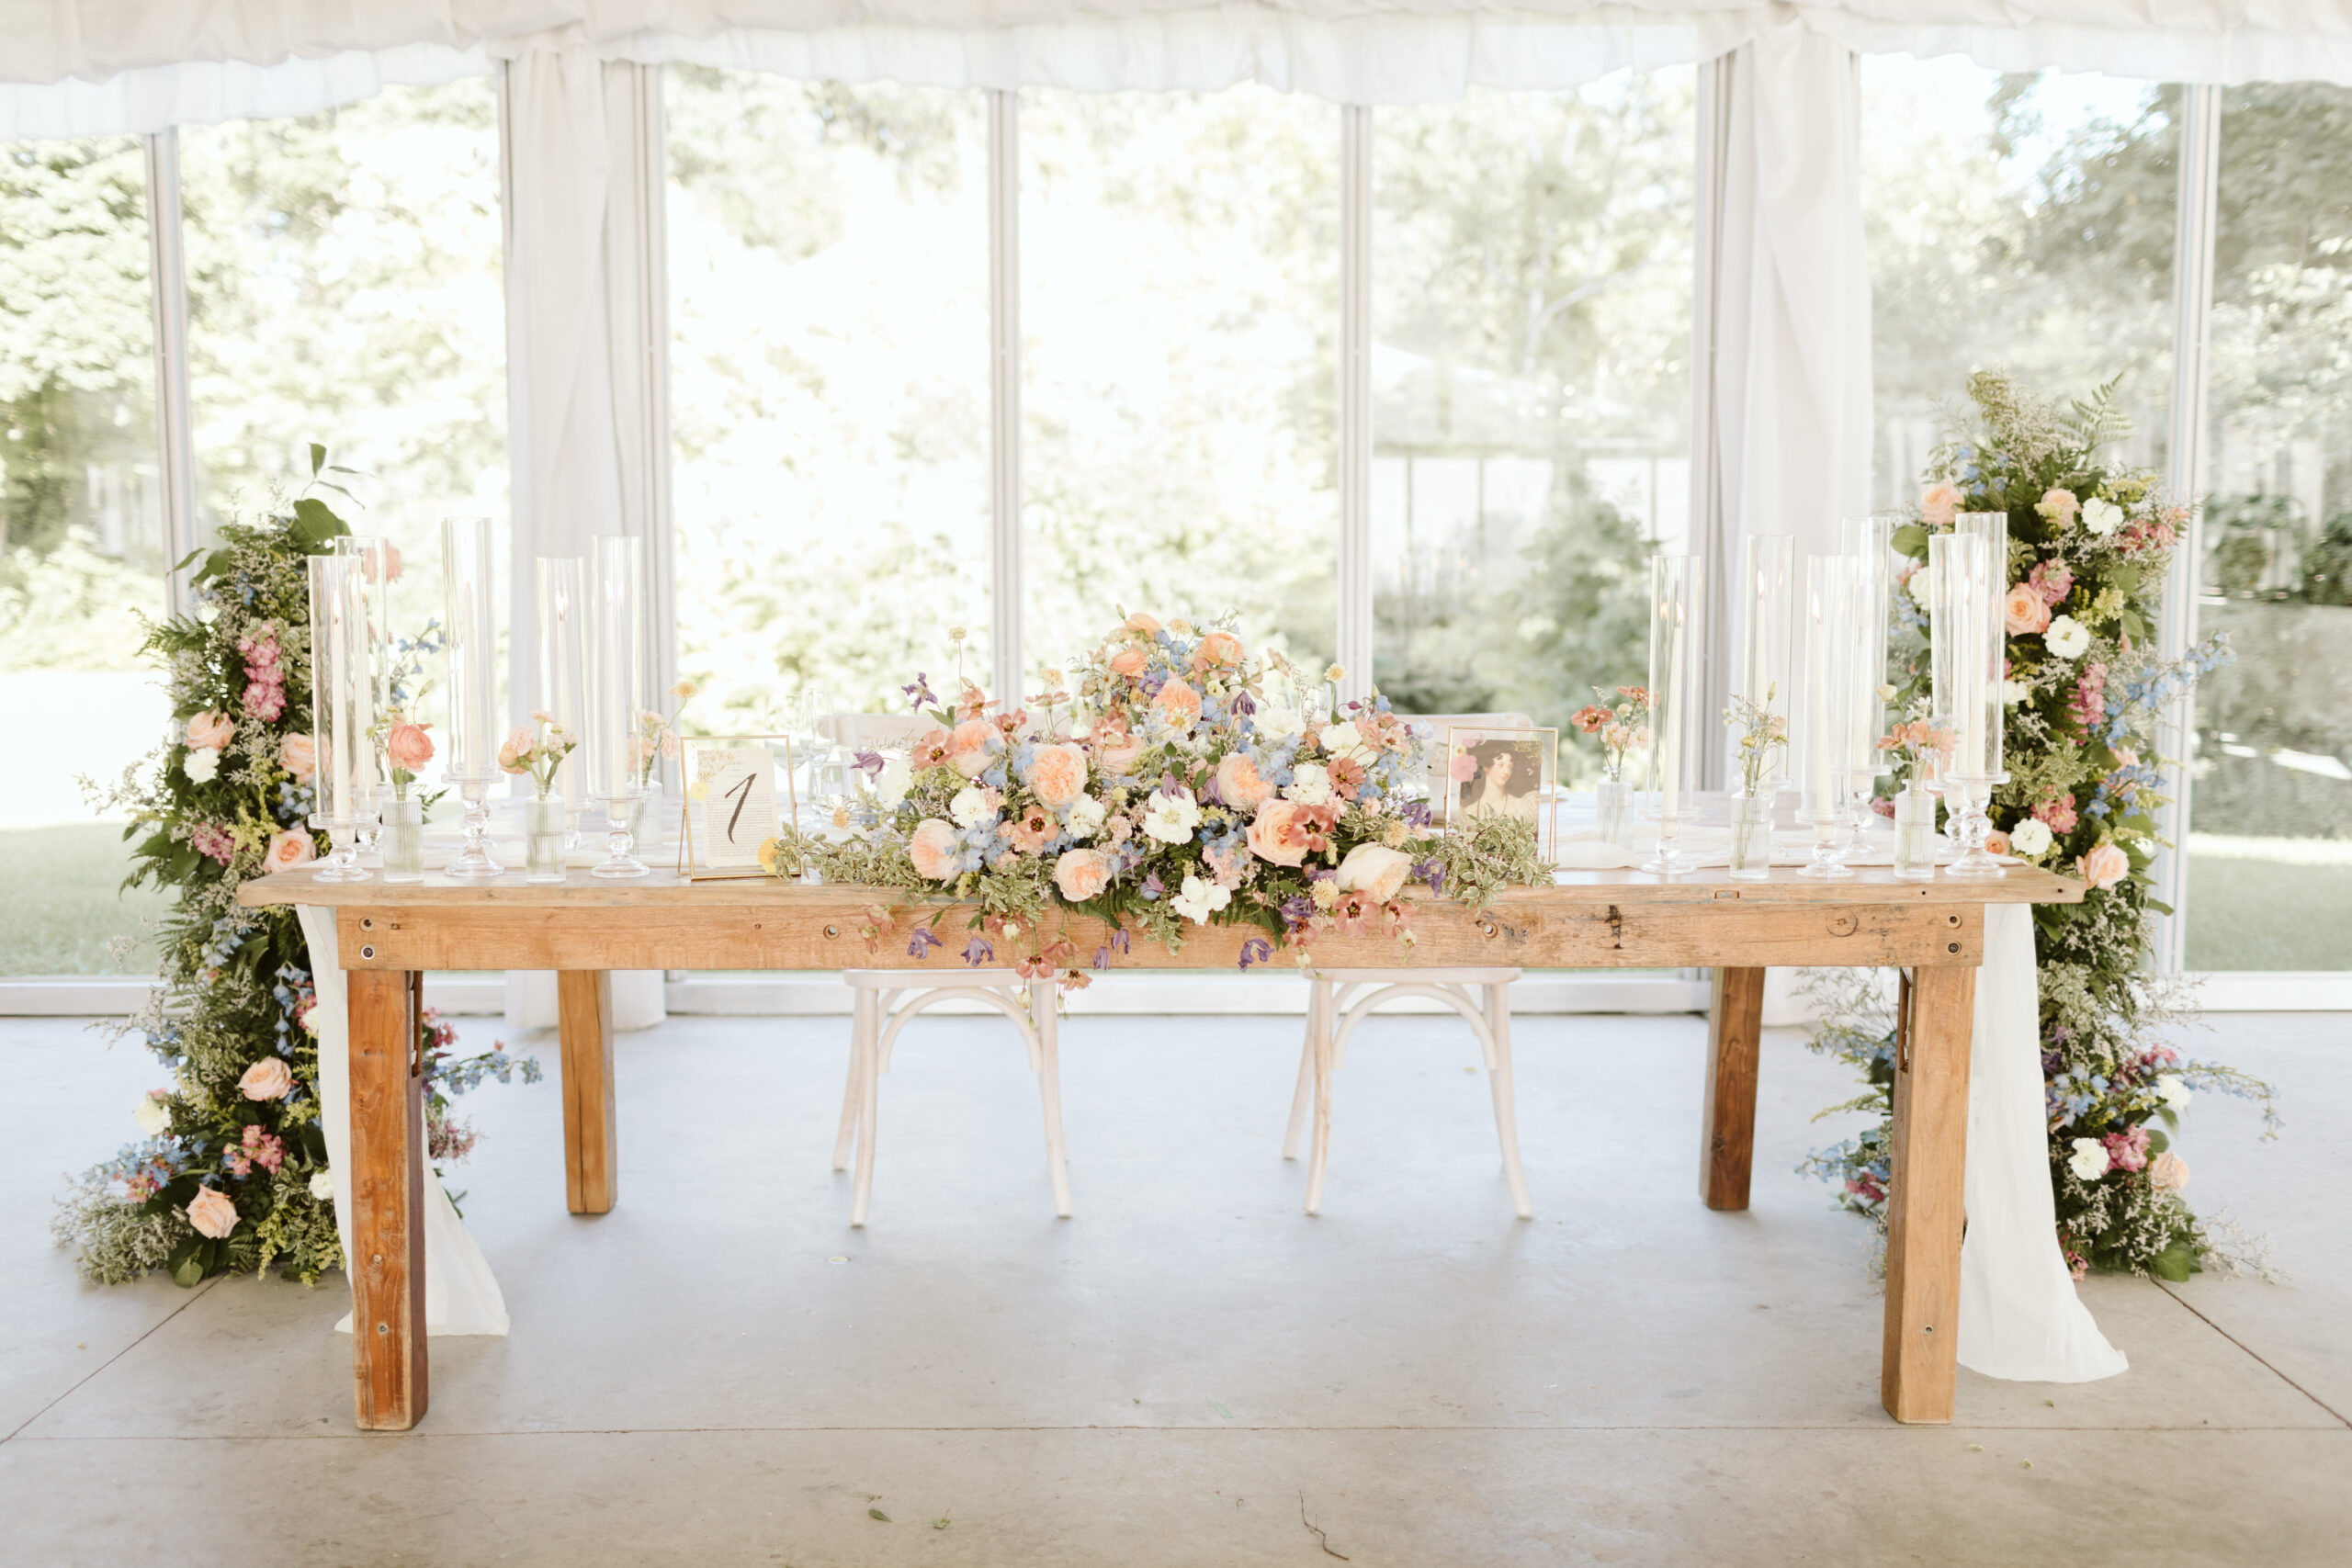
2089	546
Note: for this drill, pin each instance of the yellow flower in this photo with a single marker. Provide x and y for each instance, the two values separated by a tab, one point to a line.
685	689
768	852
1336	672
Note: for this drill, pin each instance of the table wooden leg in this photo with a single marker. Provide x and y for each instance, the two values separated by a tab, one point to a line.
1734	1017
1921	1362
590	1153
387	1184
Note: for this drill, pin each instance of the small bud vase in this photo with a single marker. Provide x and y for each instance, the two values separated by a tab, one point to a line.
1608	809
547	829
1915	834
403	841
645	817
1751	836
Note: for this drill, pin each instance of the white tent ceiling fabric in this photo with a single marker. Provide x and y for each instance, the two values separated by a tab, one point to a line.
87	67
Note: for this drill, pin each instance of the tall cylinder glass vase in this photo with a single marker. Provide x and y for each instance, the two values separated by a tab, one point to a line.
612	738
1871	541
1967	645
343	775
470	758
1824	755
1674	671
563	668
375	557
1761	681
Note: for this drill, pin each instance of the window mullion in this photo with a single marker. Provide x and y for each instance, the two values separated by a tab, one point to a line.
1354	632
1005	599
167	295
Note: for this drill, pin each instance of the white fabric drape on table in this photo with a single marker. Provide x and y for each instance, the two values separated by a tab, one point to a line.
461	1295
2020	1317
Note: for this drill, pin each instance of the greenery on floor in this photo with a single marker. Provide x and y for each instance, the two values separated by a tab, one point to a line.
61	903
2269	914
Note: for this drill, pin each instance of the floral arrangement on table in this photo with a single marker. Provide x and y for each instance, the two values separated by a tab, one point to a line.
537	750
1621	723
231	1173
1183	783
2089	546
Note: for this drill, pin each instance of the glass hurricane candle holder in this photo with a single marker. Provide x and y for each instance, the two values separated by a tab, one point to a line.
1824	755
342	778
1967	641
614	643
470	755
1674	602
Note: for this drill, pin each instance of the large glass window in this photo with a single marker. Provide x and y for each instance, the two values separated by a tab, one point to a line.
1180	313
81	515
2270	842
2021	224
1530	260
343	279
828	387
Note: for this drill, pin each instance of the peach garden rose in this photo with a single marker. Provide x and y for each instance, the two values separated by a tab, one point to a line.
300	756
212	1212
1278	833
289	848
1377	870
2025	612
1082	874
1129	661
933	849
1057	774
269	1078
1239	784
209	731
2105	865
1178	705
409	747
1940	506
968	747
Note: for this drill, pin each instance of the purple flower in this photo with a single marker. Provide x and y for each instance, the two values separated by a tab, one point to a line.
1432	871
1242	704
921	942
1102	958
978	952
1416	813
1152	887
1119	940
1257	949
1298	909
920	692
869	763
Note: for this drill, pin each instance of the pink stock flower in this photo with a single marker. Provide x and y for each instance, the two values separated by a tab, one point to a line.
210	730
2054	580
933	849
212	840
2057	814
2128	1151
2088	705
289	849
268	1150
2105	865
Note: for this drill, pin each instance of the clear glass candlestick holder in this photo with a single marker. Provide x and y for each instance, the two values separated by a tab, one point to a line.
473	858
340	863
1969	798
620	843
1829	847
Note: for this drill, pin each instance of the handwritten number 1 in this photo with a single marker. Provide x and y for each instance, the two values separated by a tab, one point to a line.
742	794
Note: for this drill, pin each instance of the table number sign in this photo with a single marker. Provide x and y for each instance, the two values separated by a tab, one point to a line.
737	790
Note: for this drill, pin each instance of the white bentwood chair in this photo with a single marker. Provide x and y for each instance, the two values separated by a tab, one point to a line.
885	1000
1338	999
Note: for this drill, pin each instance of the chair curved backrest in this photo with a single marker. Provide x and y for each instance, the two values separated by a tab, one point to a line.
869	731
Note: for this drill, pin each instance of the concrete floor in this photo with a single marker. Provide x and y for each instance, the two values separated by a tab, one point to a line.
1189	1372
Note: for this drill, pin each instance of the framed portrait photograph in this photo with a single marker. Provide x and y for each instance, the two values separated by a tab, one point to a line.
739	794
1505	773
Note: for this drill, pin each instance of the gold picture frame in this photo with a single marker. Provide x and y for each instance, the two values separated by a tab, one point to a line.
752	776
1498	759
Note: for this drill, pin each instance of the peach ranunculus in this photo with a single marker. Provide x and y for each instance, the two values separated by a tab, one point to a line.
1141	624
1129	661
2105	865
1057	774
2168	1172
269	1078
289	848
1375	869
300	756
1178	705
409	747
2026	612
212	1212
209	731
968	747
1237	784
933	849
1939	505
1082	874
1278	834
1216	650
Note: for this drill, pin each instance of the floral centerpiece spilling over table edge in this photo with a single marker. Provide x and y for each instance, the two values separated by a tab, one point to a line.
1171	780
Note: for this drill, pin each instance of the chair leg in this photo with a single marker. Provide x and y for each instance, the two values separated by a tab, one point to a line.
869	1093
1506	1110
861	1039
1320	1154
1043	1019
1305	1093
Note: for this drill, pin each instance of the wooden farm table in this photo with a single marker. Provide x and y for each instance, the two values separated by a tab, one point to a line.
388	935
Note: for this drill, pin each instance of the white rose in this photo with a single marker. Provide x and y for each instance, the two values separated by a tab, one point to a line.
1343	739
1171	819
2102	517
2089	1160
322	1186
2067	638
1310	784
2015	692
155	1117
1199	899
970	806
1083	820
1922	588
2030	837
891	784
202	765
1275	723
2172	1091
